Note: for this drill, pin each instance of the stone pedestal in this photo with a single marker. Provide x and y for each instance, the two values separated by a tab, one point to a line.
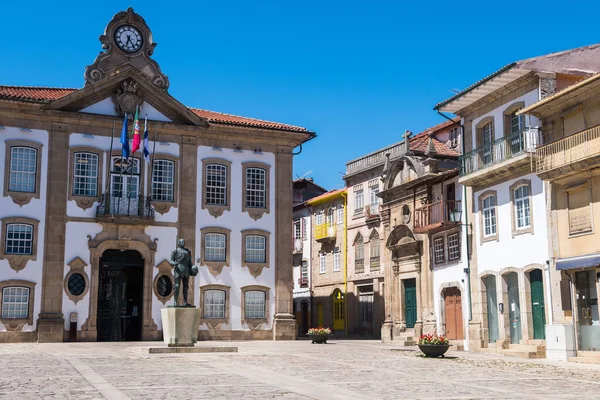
180	325
284	327
386	331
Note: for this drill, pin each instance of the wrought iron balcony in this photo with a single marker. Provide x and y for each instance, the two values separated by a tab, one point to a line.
435	216
577	152
372	213
499	153
325	231
303	282
298	245
125	209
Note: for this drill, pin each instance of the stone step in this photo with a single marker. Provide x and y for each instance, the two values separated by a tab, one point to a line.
457	345
537	342
519	353
587	353
584	360
524	347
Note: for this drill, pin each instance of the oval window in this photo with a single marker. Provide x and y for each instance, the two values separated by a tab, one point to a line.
76	284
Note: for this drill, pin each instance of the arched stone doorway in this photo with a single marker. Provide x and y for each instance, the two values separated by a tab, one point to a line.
120	296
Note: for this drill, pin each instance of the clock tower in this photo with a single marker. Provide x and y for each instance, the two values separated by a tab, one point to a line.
126	42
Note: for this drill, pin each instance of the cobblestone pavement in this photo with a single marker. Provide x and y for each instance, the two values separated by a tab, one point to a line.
282	370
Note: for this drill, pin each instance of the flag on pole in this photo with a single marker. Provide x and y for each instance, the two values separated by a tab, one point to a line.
136	132
146	145
125	139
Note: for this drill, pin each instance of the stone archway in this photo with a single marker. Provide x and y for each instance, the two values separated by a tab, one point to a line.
121	237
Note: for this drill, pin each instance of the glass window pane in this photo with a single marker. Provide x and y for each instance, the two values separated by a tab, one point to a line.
256	188
23	165
15	302
216	184
85	174
254	304
256	249
163	179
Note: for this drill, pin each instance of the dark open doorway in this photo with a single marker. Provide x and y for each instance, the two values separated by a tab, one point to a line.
120	296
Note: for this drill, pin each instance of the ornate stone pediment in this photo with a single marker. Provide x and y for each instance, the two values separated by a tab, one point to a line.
127	97
122	233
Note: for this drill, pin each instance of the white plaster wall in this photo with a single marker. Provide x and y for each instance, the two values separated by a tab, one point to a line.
36	209
236	276
521	250
300	292
107	107
103	143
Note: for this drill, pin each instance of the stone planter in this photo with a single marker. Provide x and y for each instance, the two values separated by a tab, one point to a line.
434	350
319	338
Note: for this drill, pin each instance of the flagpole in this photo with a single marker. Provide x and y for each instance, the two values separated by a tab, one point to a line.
153	151
132	154
108	169
121	169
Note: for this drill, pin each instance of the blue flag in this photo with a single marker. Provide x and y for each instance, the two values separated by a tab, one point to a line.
146	149
125	139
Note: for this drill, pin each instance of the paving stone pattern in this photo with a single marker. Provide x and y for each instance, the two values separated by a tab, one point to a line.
282	370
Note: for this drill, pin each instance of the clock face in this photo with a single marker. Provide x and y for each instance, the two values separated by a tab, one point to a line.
128	39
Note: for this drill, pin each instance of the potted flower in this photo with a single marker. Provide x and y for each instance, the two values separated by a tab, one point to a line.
319	335
433	345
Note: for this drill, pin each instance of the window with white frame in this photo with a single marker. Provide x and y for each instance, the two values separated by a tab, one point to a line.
19	239
85	175
304	234
489	216
15	302
163	180
488	133
214	304
304	270
522	209
340	214
322	264
255	304
359	202
453	247
374	245
319	220
23	169
298	228
374	190
215	247
216	184
336	259
359	252
438	249
256	249
256	188
330	215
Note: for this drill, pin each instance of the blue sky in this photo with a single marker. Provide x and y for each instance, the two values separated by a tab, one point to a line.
358	73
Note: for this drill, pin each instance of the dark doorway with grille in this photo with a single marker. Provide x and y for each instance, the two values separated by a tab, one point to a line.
120	299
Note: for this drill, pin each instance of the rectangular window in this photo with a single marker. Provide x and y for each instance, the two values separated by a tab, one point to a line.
256	188
23	167
214	304
255	304
85	179
15	302
256	250
304	270
319	218
19	239
304	229
374	190
522	208
330	216
489	215
216	185
580	216
359	203
298	229
453	247
322	264
336	259
488	139
438	250
163	180
340	214
215	247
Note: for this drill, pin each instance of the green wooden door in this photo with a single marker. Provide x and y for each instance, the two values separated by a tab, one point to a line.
410	302
537	304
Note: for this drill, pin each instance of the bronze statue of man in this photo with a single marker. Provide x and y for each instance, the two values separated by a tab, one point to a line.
181	260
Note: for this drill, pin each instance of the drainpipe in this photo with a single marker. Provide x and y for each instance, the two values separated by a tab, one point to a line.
466	225
551	316
345	264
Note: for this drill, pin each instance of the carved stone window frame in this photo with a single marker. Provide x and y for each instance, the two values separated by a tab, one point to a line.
216	267
164	268
16	324
215	322
22	198
77	266
513	209
215	210
254	323
256	268
85	202
163	207
19	261
256	213
495	236
142	174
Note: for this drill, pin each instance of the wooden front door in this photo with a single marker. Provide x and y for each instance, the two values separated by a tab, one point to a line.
410	302
454	321
537	304
338	311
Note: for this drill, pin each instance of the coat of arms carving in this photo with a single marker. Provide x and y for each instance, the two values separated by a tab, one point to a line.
127	98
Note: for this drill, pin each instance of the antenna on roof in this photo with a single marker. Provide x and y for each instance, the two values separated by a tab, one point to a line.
455	90
305	174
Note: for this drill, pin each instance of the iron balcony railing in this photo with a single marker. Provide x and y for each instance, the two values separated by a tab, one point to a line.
435	213
298	245
505	148
303	282
131	206
577	147
372	211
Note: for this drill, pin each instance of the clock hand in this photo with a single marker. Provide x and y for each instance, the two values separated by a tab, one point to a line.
129	40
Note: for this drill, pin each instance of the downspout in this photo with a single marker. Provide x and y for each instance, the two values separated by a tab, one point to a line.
466	225
345	264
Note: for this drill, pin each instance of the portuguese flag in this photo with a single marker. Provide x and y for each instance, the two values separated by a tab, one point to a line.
136	133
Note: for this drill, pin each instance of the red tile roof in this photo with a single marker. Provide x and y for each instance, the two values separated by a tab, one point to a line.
43	95
420	141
